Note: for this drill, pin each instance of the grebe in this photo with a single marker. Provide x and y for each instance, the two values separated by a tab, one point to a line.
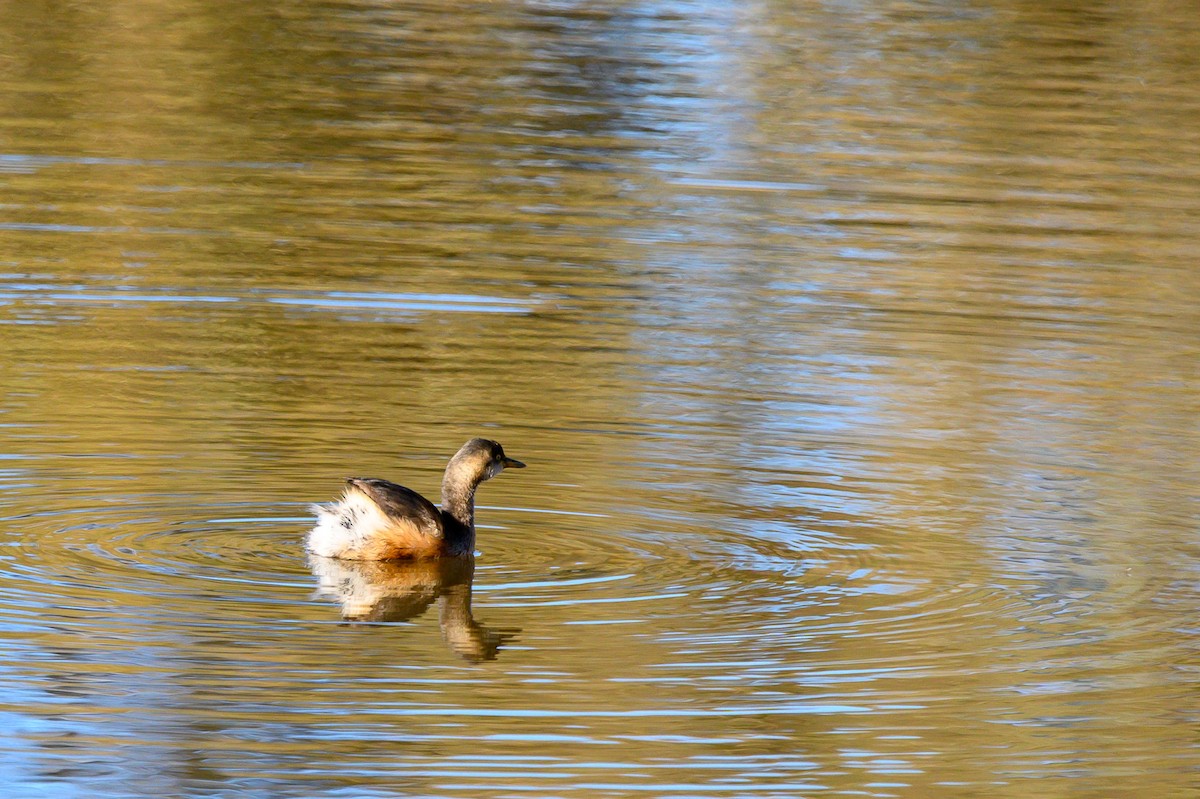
379	520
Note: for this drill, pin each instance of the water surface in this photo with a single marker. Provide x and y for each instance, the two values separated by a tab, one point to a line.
852	350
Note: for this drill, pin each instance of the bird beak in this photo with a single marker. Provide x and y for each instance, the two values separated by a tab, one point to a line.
509	463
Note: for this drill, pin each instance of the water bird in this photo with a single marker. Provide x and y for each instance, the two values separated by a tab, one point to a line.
379	520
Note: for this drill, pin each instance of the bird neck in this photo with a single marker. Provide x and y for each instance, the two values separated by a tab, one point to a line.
458	500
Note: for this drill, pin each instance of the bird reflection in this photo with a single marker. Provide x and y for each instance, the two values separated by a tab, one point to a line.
381	591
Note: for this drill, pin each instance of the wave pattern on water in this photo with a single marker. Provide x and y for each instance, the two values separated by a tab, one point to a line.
858	398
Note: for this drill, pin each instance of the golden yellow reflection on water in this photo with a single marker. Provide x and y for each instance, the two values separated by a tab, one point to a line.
852	352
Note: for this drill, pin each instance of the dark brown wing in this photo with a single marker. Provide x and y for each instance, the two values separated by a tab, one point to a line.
400	504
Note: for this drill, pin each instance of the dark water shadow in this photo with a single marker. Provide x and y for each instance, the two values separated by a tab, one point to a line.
393	591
